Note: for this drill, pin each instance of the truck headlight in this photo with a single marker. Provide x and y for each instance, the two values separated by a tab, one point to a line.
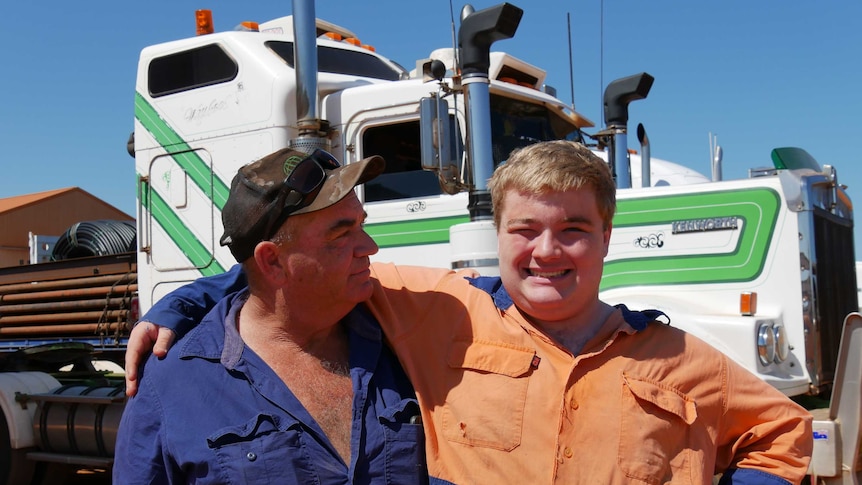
766	343
782	345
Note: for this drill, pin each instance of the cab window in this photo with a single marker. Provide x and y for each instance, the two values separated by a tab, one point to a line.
403	178
194	68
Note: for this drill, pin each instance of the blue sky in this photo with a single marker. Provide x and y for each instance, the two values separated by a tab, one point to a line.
757	74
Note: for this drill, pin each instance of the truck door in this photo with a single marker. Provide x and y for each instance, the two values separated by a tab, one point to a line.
180	211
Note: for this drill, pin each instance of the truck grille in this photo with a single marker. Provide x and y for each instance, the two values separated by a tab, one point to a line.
835	293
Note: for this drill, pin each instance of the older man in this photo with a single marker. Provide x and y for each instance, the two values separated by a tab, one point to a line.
287	381
530	378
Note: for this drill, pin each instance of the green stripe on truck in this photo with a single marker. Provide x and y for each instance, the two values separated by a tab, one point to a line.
757	208
413	232
188	159
199	255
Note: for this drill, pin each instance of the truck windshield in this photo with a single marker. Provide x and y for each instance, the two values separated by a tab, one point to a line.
516	123
341	61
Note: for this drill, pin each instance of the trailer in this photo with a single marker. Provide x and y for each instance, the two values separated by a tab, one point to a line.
63	331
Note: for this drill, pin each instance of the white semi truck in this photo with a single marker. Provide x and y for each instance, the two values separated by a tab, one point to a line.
761	268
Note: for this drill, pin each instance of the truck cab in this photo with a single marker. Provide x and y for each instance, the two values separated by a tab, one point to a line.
204	106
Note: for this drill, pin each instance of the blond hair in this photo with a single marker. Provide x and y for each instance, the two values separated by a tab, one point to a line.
554	166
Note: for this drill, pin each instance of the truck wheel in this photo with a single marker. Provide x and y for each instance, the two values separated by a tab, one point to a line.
15	468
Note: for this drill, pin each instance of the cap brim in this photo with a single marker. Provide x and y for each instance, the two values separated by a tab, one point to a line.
341	181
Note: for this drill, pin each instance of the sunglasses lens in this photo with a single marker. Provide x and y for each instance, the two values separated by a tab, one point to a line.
306	177
325	159
299	189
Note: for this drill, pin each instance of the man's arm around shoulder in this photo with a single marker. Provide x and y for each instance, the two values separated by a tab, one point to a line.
175	314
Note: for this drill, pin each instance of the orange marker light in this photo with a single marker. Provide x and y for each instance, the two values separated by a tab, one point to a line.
748	303
249	26
204	21
334	36
353	40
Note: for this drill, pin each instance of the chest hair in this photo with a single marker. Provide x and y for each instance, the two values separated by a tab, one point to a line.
326	392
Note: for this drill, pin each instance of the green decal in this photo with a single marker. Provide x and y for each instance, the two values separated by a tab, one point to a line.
411	233
756	208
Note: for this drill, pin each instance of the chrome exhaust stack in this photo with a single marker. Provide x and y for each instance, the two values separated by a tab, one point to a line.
313	131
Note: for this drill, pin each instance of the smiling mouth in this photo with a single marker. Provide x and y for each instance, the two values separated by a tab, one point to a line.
546	274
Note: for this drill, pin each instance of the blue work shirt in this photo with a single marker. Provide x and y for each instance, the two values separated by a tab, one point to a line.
213	411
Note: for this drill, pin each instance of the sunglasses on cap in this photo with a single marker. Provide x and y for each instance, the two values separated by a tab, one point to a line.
300	187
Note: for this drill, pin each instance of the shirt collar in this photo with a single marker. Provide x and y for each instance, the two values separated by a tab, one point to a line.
493	286
233	344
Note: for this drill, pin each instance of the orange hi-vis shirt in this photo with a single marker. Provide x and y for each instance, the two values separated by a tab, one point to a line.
643	402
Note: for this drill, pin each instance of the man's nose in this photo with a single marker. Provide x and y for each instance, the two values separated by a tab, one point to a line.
367	247
546	246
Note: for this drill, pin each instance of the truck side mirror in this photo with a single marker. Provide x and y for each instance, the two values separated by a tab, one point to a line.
437	133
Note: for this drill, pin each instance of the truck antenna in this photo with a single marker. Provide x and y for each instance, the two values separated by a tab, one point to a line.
454	44
601	53
571	66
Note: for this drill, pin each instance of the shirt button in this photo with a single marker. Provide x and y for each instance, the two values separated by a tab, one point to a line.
251	456
573	403
568	452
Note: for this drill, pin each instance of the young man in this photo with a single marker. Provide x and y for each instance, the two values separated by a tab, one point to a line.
530	378
287	381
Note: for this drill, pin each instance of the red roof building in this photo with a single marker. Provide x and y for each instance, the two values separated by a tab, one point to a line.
48	213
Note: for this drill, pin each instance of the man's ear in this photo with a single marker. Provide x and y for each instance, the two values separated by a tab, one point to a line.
268	262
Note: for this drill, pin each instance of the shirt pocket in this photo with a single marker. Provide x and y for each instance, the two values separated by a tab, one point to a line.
655	433
266	449
486	407
404	442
